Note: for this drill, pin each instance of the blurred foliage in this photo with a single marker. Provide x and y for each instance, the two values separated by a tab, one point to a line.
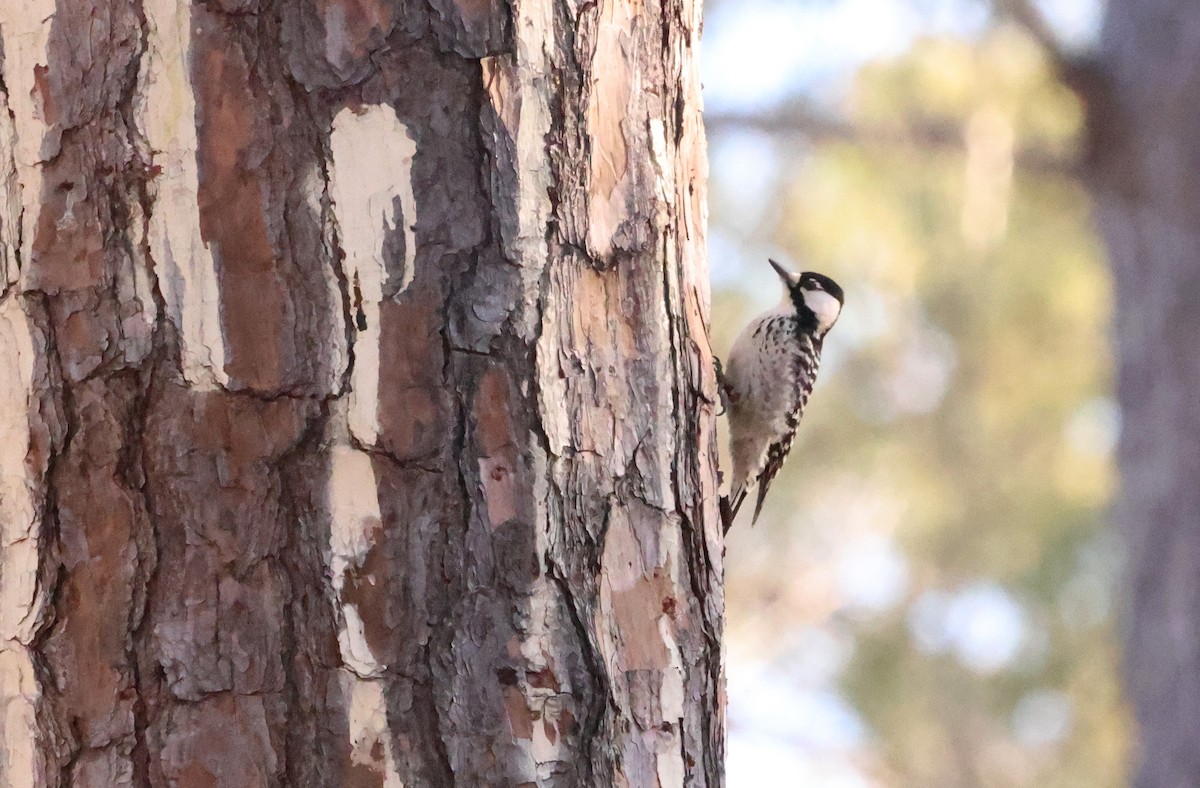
943	514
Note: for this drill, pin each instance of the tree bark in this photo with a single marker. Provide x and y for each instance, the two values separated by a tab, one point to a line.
356	402
1144	115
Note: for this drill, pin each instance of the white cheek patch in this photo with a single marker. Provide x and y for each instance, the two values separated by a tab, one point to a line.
824	306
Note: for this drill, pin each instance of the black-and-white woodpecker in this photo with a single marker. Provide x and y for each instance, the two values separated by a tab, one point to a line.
768	376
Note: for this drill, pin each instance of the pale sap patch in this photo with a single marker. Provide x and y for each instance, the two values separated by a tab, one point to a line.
824	306
371	167
352	644
10	199
20	600
166	113
25	31
19	597
370	739
19	693
355	524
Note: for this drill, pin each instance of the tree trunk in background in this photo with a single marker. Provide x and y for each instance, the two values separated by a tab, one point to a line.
356	420
1145	172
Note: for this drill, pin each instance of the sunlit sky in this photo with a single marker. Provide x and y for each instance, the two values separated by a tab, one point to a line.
791	727
759	52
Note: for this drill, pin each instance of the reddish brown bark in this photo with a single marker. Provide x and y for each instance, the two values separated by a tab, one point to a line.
357	399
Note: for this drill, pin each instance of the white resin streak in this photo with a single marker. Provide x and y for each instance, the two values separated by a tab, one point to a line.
372	154
18	695
166	112
10	199
370	739
355	524
20	598
18	513
25	29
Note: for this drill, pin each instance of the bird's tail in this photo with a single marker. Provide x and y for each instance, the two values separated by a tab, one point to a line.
762	496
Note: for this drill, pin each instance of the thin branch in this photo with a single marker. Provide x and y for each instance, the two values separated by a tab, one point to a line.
808	123
1025	14
1079	71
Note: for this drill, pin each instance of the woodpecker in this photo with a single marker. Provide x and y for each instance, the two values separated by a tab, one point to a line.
769	376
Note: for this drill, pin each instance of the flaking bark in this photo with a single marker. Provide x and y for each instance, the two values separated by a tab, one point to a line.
356	404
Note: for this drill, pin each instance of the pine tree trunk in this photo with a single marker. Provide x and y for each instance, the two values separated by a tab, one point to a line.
1145	173
356	404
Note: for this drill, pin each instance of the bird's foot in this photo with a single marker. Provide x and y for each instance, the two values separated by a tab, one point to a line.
722	389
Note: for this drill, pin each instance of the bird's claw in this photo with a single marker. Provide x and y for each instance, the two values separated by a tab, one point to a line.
722	391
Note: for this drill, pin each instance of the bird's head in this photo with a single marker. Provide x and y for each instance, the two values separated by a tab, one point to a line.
816	298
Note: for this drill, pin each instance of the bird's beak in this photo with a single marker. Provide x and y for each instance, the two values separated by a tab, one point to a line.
784	274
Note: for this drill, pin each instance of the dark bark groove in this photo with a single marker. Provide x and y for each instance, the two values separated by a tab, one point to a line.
370	403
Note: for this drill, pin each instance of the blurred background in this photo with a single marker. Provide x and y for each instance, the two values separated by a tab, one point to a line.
929	598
